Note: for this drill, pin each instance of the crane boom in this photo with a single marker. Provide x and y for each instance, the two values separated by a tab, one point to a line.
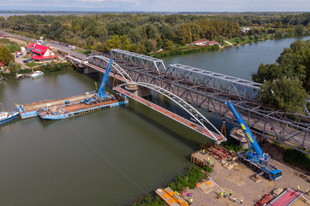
246	131
101	91
259	161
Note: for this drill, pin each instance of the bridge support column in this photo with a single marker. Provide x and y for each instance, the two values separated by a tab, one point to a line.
137	90
88	70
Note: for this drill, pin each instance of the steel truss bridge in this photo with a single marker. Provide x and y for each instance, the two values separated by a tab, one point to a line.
209	90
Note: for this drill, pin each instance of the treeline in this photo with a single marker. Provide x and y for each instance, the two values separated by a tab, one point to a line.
287	82
145	32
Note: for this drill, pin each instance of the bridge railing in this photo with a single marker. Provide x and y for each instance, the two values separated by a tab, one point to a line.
138	59
216	81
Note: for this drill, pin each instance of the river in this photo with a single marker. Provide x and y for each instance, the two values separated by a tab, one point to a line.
111	157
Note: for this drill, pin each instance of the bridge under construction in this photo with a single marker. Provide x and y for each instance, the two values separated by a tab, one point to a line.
202	89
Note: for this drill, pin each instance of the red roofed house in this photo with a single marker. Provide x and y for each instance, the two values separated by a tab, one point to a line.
200	42
30	46
210	43
41	53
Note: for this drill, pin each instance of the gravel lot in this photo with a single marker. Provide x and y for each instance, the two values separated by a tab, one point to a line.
242	187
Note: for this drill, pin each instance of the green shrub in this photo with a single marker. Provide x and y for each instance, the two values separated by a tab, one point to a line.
296	158
5	41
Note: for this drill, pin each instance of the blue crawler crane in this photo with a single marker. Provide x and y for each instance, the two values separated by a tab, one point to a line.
258	161
101	96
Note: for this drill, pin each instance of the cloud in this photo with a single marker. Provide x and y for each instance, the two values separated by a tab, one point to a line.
158	5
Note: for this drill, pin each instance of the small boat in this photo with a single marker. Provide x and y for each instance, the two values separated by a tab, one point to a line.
7	116
37	74
19	76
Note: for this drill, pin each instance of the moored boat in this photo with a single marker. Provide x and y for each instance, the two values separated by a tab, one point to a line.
19	76
7	116
37	74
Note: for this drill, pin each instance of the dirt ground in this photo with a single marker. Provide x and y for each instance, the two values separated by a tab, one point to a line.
276	153
238	181
18	41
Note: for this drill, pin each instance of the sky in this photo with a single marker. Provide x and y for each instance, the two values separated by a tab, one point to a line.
157	5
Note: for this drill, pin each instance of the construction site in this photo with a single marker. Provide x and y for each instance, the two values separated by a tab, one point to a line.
248	177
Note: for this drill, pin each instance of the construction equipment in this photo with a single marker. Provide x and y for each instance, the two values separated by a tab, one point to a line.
258	161
266	199
101	96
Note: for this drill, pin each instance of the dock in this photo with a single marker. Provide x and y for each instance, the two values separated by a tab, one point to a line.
173	116
30	110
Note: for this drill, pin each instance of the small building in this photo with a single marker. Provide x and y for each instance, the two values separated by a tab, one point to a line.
211	43
18	53
245	30
1	66
200	42
42	53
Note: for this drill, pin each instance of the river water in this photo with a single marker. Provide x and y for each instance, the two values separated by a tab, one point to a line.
110	157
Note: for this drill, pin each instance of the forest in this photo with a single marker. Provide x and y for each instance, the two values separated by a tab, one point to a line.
147	32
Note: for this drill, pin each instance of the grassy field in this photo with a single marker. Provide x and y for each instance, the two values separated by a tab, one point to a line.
247	40
82	51
32	64
12	46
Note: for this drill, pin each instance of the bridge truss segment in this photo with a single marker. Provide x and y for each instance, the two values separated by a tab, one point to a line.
103	62
218	82
139	60
292	130
183	104
289	129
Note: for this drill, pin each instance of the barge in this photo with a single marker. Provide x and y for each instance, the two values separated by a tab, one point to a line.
30	110
82	107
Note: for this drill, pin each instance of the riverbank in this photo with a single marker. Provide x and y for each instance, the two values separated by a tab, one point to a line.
190	50
46	68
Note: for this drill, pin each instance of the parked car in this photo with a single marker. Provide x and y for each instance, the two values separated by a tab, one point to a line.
17	56
27	60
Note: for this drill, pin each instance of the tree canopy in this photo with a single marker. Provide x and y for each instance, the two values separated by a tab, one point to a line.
5	56
285	84
93	31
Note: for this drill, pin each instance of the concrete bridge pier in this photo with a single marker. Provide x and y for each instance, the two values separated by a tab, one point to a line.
138	90
88	70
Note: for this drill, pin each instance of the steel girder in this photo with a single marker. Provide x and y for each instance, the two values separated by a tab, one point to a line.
220	82
103	62
291	130
260	118
138	59
180	102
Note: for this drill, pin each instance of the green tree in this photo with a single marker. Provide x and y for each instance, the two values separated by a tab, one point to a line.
125	43
185	34
168	44
256	36
113	43
6	56
237	40
284	93
251	37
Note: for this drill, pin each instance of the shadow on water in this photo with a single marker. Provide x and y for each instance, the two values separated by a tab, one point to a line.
174	129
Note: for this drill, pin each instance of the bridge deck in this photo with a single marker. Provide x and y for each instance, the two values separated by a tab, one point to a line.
261	124
173	116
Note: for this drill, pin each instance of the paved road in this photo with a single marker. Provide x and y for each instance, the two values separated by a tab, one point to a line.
54	44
